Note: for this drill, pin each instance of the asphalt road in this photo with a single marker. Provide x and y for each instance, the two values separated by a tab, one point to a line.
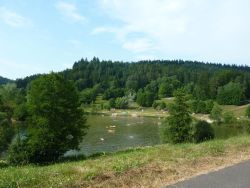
237	176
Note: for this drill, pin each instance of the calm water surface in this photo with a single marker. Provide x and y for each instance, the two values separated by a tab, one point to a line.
108	134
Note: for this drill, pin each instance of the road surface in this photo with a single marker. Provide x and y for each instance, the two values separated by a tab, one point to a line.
237	176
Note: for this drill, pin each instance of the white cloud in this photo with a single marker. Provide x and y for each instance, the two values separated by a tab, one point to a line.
12	18
69	10
204	29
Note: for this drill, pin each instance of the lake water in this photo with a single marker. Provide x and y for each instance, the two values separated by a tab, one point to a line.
108	134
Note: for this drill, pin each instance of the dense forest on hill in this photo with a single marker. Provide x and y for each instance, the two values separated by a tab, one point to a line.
228	84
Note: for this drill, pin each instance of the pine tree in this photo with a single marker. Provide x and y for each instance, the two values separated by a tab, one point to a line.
178	123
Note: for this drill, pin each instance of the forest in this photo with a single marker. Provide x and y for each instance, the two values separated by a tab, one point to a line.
227	84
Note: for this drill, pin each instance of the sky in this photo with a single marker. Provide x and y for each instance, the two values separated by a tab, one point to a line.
38	36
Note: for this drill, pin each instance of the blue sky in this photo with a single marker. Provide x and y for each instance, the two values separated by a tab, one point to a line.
38	36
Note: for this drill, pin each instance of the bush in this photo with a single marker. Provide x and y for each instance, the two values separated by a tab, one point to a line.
112	103
19	153
107	106
231	94
6	134
159	105
202	131
121	103
229	117
216	113
3	164
209	106
145	98
203	107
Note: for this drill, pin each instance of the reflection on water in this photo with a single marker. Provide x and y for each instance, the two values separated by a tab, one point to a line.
108	134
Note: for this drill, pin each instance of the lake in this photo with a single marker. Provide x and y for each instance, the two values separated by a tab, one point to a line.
108	134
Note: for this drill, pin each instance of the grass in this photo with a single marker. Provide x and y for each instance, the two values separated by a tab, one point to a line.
135	110
140	167
238	111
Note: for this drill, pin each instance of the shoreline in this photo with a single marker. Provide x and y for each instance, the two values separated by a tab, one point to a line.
131	112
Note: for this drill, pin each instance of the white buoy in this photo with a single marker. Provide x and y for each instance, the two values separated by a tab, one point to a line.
102	139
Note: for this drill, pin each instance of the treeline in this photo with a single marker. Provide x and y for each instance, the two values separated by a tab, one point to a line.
152	80
4	80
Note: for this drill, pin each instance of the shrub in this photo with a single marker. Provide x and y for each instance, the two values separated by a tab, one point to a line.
145	98
229	117
6	134
216	113
19	153
202	131
3	164
203	107
121	103
112	103
231	94
159	105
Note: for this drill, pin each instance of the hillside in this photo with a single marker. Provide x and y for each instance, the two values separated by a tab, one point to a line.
202	80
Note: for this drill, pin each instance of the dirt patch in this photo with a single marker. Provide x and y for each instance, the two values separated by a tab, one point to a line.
165	173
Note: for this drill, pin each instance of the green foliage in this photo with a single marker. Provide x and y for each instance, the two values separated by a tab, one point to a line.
6	134
216	113
132	83
203	107
248	112
121	103
88	96
113	93
4	80
209	106
21	112
6	128
56	123
145	98
167	86
202	131
178	123
229	118
18	153
112	103
158	77
165	90
230	94
159	105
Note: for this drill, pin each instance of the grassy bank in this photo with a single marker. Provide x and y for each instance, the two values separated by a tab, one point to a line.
141	167
135	110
